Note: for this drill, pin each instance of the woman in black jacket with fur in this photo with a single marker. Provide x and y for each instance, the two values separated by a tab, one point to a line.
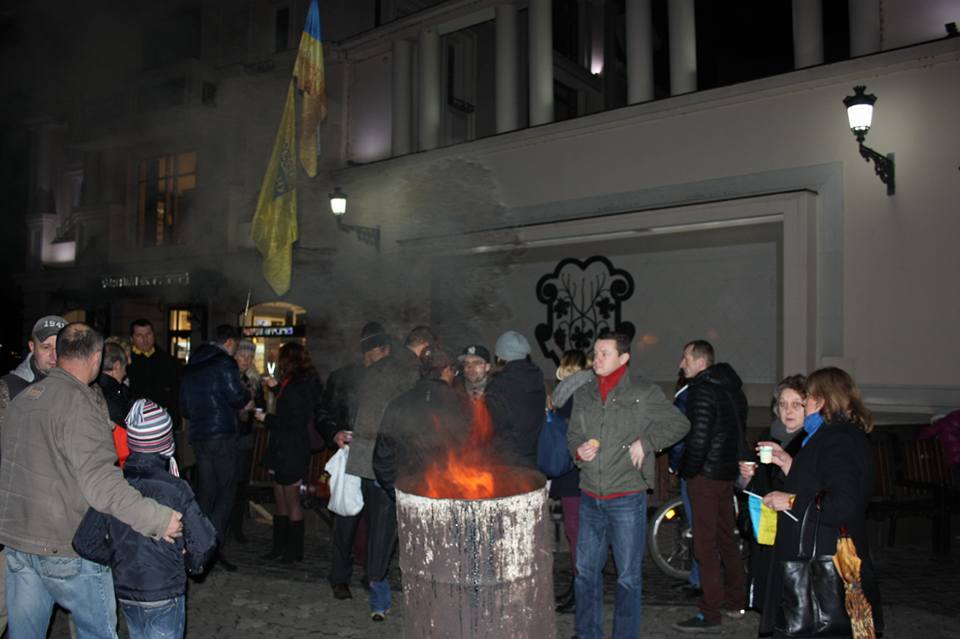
288	456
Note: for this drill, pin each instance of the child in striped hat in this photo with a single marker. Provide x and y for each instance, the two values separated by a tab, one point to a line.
150	575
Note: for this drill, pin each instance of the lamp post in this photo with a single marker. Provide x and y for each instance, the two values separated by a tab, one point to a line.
366	234
860	117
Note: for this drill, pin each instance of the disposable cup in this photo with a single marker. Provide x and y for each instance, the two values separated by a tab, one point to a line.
766	454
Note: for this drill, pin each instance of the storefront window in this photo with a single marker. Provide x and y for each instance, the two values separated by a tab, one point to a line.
179	332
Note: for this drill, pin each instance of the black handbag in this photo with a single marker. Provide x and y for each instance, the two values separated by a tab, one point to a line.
812	603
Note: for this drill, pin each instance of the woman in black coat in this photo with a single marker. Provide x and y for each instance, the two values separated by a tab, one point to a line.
787	430
288	454
836	460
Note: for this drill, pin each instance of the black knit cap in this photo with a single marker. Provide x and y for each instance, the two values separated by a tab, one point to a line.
372	336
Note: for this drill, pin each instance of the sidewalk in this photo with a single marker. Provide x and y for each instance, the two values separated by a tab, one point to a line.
265	599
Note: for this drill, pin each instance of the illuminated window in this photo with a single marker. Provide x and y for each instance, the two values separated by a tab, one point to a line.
179	332
164	189
77	315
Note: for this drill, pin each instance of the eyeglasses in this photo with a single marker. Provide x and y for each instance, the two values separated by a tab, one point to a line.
791	405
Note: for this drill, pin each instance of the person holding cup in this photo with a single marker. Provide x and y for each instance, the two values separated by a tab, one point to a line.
788	402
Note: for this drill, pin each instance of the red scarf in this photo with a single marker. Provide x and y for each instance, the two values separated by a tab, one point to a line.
608	383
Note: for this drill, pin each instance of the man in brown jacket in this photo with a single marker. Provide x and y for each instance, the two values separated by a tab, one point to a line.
57	462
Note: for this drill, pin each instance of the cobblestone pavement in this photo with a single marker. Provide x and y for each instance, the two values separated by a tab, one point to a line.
266	599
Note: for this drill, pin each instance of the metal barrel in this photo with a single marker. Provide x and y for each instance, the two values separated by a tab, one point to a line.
477	568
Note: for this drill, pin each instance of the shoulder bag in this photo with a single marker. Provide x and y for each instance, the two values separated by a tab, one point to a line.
812	603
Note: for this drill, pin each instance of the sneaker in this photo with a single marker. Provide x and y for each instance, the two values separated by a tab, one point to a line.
735	614
378	615
697	624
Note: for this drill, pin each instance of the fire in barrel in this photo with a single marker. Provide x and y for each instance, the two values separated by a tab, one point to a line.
475	547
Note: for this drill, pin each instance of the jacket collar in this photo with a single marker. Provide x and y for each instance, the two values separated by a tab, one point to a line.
59	373
146	462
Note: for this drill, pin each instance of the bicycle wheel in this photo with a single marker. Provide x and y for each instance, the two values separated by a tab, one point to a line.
670	539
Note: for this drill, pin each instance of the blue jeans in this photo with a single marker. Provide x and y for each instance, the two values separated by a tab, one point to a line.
694	578
163	619
35	582
380	596
621	523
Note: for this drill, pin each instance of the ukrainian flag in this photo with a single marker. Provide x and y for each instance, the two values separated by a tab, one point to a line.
274	228
308	70
764	521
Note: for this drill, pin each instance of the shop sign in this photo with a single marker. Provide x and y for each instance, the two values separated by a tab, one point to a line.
275	331
136	281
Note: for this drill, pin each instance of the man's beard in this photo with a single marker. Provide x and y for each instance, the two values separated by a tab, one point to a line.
475	388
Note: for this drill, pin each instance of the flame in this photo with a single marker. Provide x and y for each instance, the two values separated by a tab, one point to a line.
471	471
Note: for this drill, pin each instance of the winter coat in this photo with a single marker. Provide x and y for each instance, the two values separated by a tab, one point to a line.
289	450
147	569
157	378
635	409
717	410
211	394
340	400
517	399
380	384
838	461
768	477
16	380
418	427
58	461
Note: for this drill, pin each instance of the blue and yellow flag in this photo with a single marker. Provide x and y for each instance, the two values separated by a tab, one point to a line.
308	70
764	521
274	228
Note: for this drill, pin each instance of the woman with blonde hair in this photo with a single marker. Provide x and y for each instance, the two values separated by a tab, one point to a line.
835	461
572	373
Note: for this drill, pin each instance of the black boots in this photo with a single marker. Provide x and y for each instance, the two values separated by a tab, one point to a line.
293	550
281	531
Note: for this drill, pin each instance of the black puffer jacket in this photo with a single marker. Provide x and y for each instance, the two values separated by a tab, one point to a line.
118	398
517	401
211	394
717	410
146	569
417	428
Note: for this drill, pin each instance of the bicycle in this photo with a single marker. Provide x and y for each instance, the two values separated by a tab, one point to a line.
670	537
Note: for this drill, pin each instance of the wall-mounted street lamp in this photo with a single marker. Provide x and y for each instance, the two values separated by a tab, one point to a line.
860	116
366	234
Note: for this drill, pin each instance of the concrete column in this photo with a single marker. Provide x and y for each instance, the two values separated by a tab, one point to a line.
807	33
429	89
540	23
401	97
683	46
864	27
508	116
639	51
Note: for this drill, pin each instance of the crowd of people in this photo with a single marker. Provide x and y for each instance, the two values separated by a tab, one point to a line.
93	511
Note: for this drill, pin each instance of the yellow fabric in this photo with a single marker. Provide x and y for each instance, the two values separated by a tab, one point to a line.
308	70
137	351
767	532
274	228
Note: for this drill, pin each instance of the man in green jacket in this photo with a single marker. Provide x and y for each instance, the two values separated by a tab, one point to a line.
615	430
58	461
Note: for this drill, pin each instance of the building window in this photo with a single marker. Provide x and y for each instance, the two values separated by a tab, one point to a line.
179	332
164	189
281	37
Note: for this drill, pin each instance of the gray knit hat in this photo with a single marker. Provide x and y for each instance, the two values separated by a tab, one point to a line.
512	346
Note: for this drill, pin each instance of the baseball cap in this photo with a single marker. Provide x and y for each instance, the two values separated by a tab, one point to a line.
476	350
48	326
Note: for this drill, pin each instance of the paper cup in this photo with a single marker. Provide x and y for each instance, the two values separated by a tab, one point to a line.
766	454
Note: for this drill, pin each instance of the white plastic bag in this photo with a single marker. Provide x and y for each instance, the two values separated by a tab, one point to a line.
345	496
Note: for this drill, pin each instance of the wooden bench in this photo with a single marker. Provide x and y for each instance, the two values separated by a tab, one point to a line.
913	481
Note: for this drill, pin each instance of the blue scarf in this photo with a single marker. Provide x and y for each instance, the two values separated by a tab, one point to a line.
811	424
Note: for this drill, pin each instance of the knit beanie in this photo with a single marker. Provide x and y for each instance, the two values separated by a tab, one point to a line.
512	346
150	430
